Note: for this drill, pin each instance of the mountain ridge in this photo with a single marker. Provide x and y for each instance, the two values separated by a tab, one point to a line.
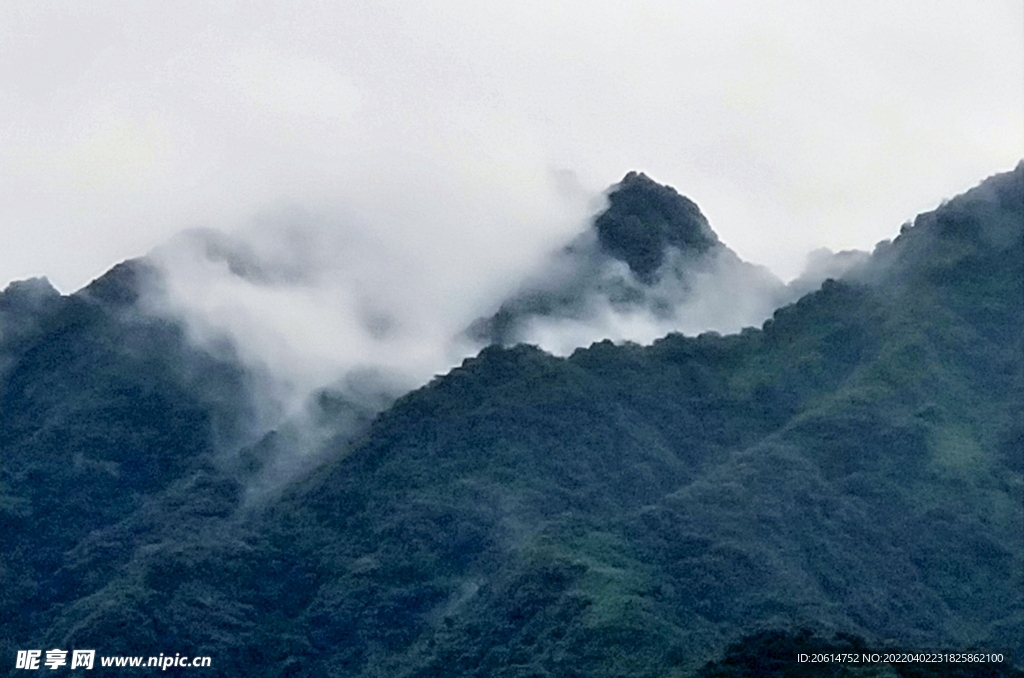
650	257
852	466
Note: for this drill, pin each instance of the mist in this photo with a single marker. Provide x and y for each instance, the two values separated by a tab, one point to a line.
358	186
337	311
796	125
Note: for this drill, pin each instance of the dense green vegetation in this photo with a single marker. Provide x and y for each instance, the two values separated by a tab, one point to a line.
644	218
644	255
849	475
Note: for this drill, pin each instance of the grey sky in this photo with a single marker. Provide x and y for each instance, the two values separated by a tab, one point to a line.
451	128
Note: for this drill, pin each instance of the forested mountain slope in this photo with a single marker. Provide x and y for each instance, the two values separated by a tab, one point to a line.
649	257
853	466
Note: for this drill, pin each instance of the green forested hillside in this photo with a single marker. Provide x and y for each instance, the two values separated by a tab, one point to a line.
101	409
852	472
651	255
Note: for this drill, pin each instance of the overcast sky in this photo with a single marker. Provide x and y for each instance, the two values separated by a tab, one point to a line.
467	126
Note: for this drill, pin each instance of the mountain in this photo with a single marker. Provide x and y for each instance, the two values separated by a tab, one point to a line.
849	475
649	259
644	220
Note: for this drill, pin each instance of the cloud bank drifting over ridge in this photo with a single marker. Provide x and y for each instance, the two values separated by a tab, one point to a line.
794	126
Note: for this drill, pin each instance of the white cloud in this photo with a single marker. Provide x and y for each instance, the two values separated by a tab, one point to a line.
793	124
435	153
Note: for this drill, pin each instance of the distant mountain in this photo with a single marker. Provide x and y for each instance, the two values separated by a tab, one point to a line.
650	256
645	221
850	475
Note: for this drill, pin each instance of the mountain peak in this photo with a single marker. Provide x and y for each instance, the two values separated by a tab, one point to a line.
27	295
122	284
669	250
644	218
